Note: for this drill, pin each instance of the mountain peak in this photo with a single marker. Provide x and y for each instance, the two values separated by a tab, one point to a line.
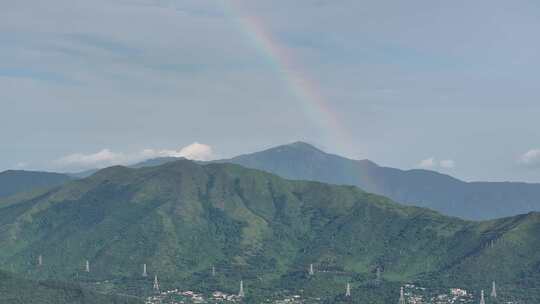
302	144
298	146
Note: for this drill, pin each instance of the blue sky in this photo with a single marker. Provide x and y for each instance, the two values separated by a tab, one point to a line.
446	85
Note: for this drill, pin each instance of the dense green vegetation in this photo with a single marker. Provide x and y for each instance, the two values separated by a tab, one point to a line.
15	181
182	218
15	290
301	161
476	200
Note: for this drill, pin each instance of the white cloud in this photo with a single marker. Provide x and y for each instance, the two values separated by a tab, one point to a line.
197	151
530	158
433	163
21	165
99	159
427	163
106	157
447	163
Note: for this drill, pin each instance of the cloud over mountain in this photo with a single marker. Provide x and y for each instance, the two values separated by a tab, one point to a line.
106	157
433	163
530	158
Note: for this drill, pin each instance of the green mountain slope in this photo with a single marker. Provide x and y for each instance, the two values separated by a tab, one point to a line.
475	200
14	181
15	290
424	188
183	218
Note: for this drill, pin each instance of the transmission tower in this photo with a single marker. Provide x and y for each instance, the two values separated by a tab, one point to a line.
493	290
156	284
482	300
241	292
401	296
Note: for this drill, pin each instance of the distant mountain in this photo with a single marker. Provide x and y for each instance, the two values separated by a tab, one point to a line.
16	290
82	174
183	218
146	163
475	200
301	161
155	162
14	181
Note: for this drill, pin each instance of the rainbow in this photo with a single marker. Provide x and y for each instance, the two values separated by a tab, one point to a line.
301	87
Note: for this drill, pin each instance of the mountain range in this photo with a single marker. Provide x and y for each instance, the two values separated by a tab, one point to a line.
424	188
302	161
183	218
